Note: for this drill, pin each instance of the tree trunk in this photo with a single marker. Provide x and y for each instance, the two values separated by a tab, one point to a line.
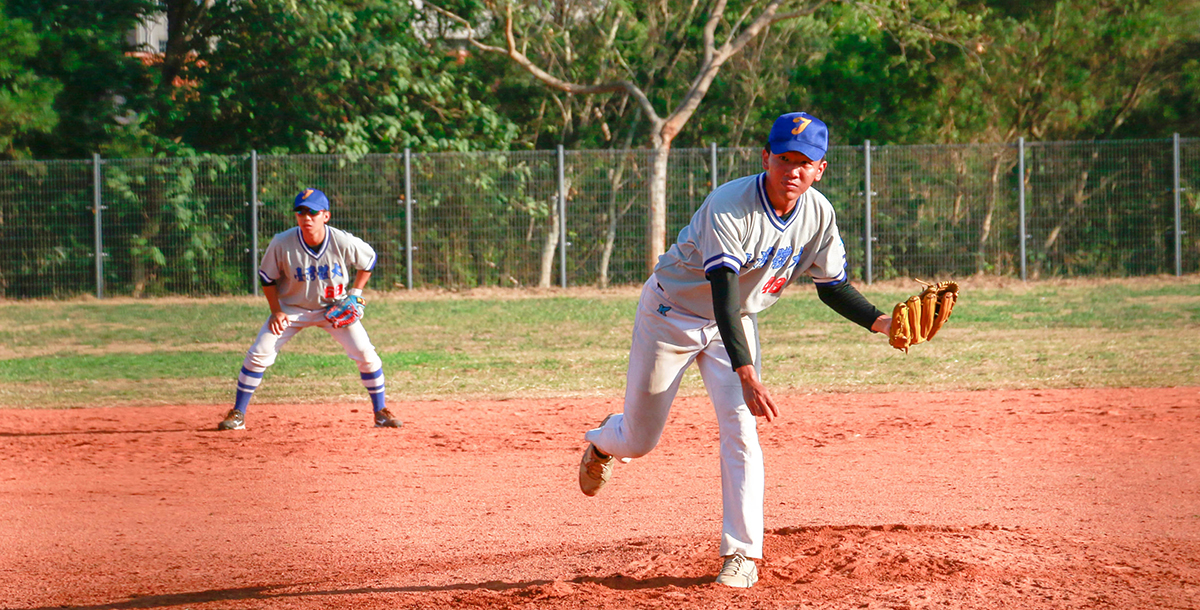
656	225
549	246
614	217
985	231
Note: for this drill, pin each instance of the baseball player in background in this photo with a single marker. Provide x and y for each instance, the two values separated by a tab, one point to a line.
750	239
305	272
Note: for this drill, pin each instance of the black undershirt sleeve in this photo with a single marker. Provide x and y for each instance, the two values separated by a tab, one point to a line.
850	303
727	311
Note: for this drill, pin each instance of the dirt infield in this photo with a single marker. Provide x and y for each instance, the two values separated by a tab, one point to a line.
983	500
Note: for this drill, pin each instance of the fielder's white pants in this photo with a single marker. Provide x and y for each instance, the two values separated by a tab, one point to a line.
352	338
665	343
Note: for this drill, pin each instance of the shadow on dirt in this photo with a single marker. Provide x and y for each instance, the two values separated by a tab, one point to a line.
271	592
91	432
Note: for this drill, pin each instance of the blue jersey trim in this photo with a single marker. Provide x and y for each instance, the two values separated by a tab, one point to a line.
765	201
839	280
310	251
726	258
723	263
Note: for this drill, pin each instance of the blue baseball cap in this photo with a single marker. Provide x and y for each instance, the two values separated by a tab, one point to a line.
312	199
799	132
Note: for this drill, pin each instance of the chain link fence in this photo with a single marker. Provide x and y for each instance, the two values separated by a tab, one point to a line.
197	226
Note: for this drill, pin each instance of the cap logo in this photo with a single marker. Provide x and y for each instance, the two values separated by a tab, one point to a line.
803	125
308	192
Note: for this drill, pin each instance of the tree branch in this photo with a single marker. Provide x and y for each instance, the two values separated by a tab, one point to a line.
522	60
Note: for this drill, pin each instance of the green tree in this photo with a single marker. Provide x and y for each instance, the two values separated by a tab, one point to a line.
25	97
660	58
83	48
336	76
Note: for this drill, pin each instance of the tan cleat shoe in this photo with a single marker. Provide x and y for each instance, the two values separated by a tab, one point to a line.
594	470
234	420
738	571
385	419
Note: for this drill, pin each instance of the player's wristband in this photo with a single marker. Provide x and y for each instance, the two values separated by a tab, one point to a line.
354	292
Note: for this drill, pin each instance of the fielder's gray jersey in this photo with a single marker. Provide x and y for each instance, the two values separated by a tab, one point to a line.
736	227
307	279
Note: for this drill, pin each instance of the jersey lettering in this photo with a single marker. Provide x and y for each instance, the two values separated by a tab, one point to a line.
323	272
781	259
762	260
337	270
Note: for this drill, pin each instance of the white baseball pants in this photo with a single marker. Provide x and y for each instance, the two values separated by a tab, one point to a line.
353	339
665	343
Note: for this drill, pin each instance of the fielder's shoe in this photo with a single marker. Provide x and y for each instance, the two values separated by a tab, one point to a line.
234	420
385	419
595	470
738	571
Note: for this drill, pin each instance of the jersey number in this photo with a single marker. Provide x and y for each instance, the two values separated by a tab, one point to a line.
333	292
774	285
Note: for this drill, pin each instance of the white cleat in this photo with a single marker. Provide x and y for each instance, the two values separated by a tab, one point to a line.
738	571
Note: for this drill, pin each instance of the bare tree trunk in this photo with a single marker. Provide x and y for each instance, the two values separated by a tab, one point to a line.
985	231
656	225
614	218
1078	198
549	247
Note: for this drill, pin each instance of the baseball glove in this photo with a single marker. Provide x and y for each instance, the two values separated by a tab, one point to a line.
345	312
919	318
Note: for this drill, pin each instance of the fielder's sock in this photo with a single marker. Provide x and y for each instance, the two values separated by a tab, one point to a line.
247	382
373	382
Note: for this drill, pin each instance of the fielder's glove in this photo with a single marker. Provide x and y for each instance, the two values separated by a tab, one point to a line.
345	312
919	318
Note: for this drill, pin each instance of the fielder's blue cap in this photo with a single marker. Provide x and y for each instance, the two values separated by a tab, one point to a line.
799	132
312	199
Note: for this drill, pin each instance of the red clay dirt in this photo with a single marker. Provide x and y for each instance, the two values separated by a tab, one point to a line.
1083	498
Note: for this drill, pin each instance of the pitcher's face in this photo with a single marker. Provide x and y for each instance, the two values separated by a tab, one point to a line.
790	174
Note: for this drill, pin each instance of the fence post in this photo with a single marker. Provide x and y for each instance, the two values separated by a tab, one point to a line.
408	249
562	219
97	207
257	284
1178	216
713	163
867	209
1021	202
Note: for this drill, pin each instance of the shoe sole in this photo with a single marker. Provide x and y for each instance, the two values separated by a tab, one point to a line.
222	426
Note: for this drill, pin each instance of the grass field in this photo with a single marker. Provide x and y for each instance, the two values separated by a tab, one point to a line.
498	344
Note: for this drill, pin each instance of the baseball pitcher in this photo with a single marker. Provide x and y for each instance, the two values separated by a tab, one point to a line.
749	240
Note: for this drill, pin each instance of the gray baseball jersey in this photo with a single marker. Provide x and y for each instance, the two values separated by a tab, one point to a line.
310	280
736	227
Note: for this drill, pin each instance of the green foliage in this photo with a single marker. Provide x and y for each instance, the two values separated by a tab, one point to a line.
346	77
1062	70
25	97
82	47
